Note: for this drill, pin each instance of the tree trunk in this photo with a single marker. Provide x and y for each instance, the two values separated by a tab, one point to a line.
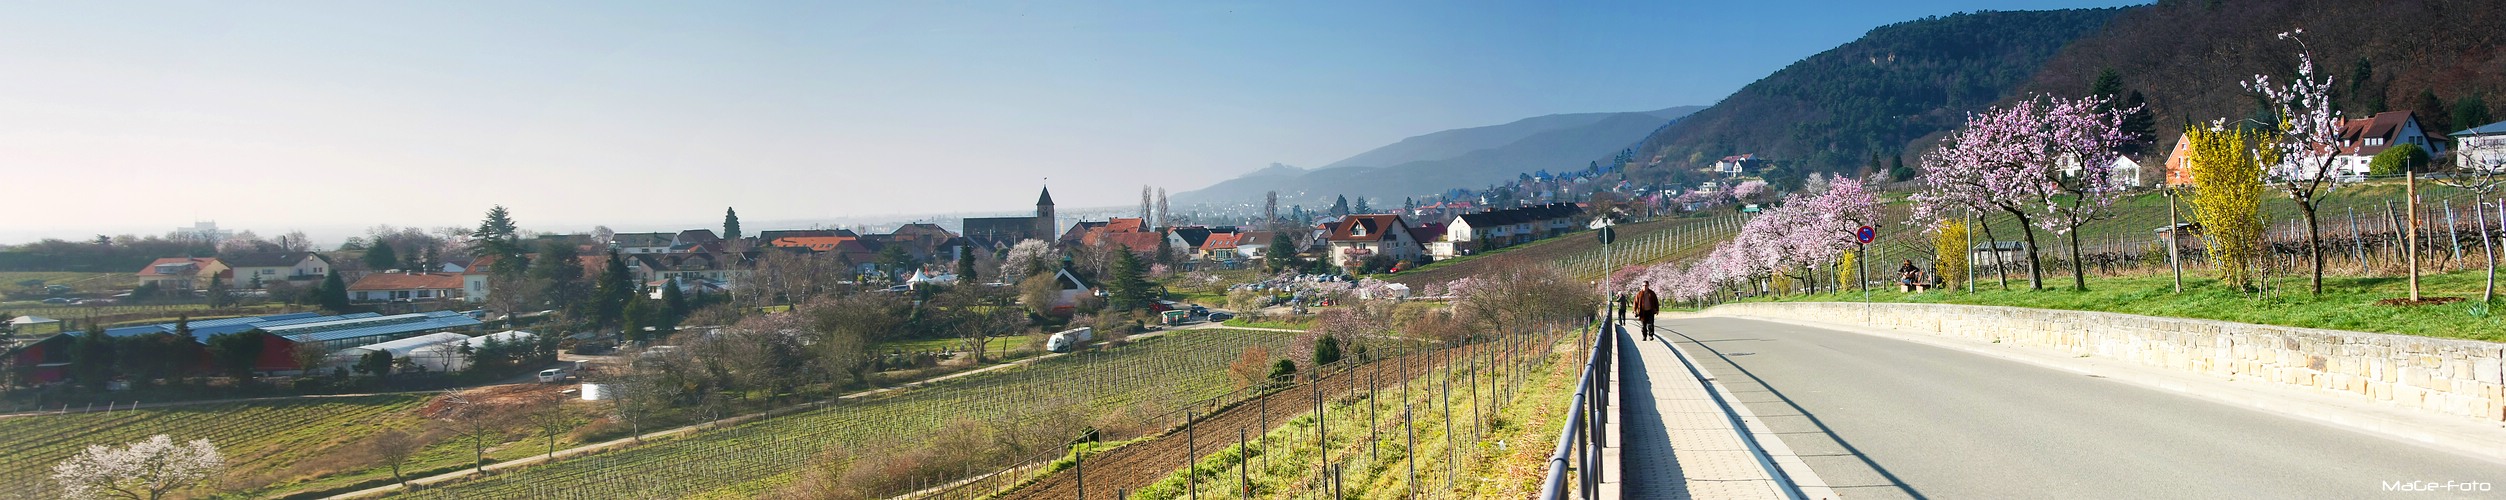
2488	291
1995	243
2035	262
2079	278
2314	242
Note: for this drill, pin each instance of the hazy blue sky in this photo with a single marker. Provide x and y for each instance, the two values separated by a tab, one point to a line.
327	116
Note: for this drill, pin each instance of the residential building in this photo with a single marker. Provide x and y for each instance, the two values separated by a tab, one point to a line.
2179	162
2482	147
184	273
1738	165
1253	245
1355	238
252	270
395	286
474	279
637	243
1493	229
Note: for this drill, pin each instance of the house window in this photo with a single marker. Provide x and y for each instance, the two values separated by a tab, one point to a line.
426	293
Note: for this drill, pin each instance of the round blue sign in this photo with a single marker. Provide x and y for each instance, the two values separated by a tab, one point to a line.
1865	235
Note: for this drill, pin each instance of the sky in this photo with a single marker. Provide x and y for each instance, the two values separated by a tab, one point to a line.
329	117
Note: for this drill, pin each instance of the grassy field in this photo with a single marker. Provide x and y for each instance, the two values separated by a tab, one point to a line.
2348	303
992	347
78	282
1498	454
756	458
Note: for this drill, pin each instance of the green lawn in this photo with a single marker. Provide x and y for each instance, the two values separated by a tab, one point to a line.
994	346
2348	303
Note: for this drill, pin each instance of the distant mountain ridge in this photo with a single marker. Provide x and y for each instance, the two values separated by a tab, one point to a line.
1460	158
1898	83
1457	142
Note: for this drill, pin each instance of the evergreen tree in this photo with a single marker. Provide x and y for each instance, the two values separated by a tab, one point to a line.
2142	124
1326	350
237	353
1165	247
674	305
1897	170
616	287
1282	254
634	317
91	358
496	237
380	257
2433	114
333	296
730	224
558	275
1361	207
1129	286
1340	207
2471	112
966	266
2108	84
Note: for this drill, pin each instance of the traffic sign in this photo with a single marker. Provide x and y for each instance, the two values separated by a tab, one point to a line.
1865	235
1607	234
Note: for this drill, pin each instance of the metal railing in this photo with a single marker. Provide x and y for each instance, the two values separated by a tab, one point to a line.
1580	443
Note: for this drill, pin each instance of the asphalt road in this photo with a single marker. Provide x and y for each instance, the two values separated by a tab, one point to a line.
1885	418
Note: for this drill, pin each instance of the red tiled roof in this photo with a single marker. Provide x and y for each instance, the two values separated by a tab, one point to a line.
1376	227
1126	225
817	243
479	266
407	281
1220	241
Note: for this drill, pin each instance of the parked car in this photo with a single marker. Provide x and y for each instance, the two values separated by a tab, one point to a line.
93	302
1218	317
552	375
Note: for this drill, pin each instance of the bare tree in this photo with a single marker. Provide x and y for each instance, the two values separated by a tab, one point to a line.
148	469
848	330
634	395
395	446
476	421
550	417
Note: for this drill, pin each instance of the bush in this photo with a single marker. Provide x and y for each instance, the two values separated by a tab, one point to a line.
2398	157
1283	371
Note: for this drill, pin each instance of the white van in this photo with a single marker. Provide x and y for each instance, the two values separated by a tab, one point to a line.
1069	340
552	375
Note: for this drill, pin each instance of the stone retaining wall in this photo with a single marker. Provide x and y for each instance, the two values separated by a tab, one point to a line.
2455	377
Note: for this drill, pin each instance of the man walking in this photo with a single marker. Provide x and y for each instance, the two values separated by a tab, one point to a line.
1646	306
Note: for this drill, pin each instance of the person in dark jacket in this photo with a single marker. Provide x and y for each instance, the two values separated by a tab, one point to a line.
1646	306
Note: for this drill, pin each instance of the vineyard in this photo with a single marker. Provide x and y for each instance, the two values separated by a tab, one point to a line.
1458	428
754	458
258	438
1579	253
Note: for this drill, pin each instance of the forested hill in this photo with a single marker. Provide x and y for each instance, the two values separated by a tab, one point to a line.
1898	83
2430	56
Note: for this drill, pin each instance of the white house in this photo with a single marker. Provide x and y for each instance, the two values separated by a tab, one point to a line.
2361	139
255	269
1735	166
2125	172
1355	238
2481	147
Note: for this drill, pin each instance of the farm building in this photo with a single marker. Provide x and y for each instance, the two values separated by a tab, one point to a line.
434	352
49	358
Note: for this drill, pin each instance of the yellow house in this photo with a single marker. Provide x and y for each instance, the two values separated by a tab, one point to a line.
185	273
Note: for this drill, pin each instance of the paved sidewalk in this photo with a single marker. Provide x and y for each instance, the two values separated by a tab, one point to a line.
1679	444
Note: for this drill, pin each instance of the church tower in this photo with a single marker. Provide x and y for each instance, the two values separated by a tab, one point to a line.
1044	216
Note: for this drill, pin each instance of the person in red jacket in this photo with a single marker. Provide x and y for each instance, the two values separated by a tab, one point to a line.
1646	306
